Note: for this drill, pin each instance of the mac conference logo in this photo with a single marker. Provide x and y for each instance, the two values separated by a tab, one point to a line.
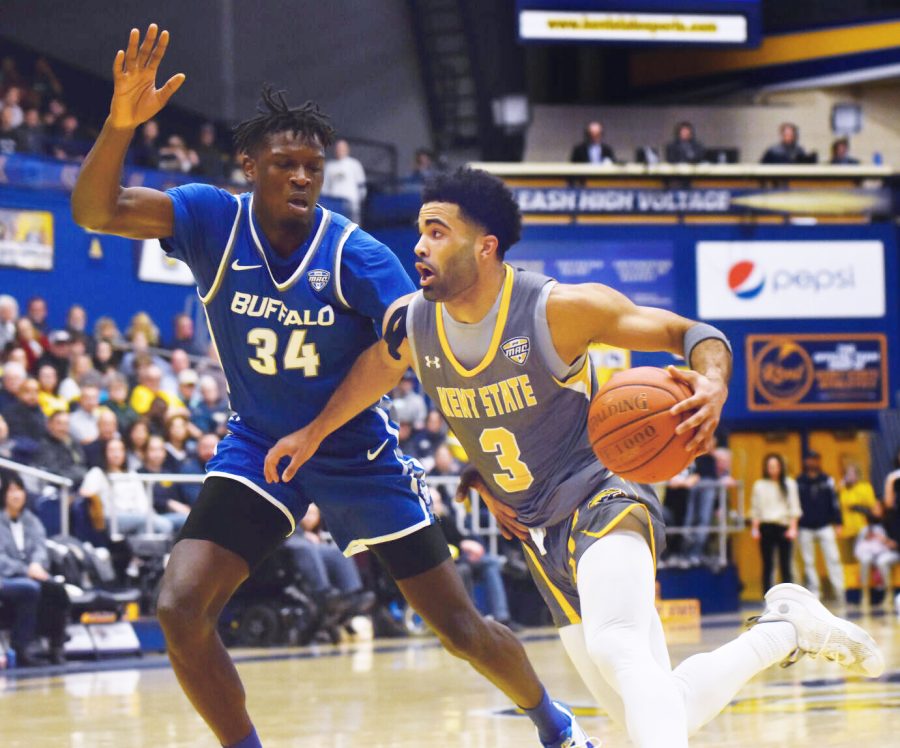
318	279
746	280
784	371
516	349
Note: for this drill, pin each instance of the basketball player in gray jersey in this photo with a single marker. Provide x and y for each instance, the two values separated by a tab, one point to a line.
504	355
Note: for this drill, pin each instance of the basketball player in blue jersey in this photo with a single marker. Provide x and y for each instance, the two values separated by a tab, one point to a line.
504	355
293	294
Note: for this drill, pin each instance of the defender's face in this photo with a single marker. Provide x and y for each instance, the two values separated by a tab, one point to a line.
446	252
287	174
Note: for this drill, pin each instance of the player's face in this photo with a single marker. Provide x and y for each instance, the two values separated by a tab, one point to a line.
446	252
287	176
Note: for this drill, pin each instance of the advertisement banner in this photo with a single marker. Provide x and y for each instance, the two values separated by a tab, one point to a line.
155	266
817	372
643	271
26	239
790	279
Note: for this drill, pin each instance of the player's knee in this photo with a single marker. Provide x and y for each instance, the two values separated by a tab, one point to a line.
180	615
608	647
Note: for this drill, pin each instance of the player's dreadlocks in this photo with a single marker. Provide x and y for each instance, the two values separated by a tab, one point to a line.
276	116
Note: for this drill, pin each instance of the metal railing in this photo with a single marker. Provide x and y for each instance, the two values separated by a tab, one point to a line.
64	485
727	521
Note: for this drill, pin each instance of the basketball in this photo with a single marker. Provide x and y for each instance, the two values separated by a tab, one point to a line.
631	429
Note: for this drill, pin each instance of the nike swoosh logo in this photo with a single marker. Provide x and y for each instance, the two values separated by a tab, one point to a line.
372	454
237	266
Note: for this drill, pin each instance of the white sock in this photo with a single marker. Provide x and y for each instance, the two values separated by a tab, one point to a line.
709	681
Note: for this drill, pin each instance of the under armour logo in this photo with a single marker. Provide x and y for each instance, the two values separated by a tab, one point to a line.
434	361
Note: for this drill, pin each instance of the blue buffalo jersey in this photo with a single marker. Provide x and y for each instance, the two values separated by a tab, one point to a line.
287	330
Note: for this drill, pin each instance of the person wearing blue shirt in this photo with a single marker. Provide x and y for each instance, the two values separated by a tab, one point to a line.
293	293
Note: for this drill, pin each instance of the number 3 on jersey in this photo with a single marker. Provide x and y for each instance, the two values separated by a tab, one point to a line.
297	354
502	442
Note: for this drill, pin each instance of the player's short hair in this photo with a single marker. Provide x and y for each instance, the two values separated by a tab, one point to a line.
483	199
275	115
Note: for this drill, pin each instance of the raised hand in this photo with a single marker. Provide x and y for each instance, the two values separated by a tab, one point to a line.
507	519
135	95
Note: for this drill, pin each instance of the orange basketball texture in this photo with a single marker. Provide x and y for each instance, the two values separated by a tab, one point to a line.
631	429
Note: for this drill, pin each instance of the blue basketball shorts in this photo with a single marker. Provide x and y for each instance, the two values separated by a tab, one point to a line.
366	496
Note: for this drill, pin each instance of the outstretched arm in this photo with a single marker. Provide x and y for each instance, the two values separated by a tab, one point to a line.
375	372
580	315
99	202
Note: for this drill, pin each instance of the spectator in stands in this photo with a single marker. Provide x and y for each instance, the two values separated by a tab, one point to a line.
14	376
60	454
184	336
105	328
333	578
840	152
31	136
176	156
117	402
76	324
187	388
125	502
12	103
141	322
873	547
857	500
7	443
196	465
235	170
788	151
821	522
81	373
25	418
139	357
48	396
345	178
105	359
16	354
685	148
9	313
69	144
31	340
39	603
179	445
424	166
404	438
774	512
428	439
178	362
713	478
149	389
145	152
44	82
9	140
83	422
409	405
58	353
53	115
890	500
9	73
107	429
211	413
210	159
137	437
167	499
592	150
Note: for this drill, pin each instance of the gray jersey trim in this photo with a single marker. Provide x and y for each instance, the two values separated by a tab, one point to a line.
544	338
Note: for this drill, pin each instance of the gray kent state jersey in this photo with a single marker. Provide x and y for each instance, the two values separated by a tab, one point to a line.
524	429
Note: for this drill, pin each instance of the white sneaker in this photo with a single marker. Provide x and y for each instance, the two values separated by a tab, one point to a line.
821	634
573	736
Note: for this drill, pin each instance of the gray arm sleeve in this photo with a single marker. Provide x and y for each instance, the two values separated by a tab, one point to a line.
697	334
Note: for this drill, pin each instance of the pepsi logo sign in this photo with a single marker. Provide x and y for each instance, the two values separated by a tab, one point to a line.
746	280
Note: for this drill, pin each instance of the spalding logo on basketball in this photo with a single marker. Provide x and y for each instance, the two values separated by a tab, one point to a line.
631	429
746	279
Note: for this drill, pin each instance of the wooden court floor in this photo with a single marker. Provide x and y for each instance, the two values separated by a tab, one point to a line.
410	693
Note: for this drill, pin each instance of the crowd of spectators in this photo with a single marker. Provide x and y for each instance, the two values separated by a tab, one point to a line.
686	148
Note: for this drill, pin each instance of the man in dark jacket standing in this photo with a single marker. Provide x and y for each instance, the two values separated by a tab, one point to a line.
821	515
593	150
